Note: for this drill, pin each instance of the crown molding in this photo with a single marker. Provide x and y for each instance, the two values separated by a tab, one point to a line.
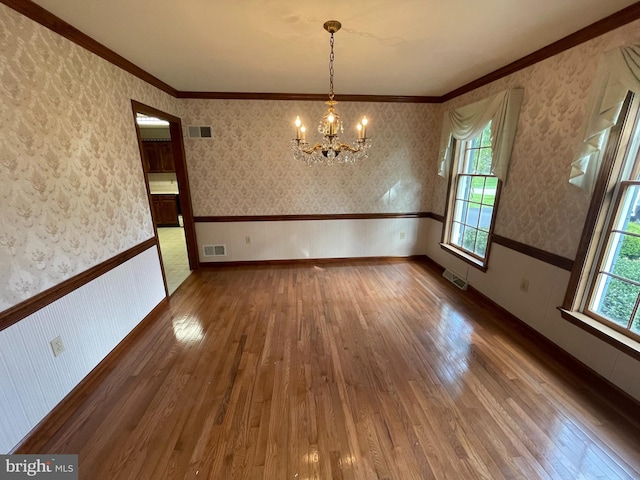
616	20
314	97
47	19
38	14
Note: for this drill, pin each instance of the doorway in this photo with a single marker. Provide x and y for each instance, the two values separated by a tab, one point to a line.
163	160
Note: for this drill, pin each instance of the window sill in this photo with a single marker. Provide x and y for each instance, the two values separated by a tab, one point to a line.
603	332
474	262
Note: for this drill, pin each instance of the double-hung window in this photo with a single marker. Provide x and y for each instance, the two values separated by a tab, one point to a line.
475	150
610	267
603	295
474	199
615	290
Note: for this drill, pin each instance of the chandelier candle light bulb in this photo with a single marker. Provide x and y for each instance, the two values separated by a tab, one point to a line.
298	123
331	148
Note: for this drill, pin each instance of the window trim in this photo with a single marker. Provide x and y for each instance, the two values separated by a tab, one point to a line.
616	339
445	239
618	195
576	295
453	221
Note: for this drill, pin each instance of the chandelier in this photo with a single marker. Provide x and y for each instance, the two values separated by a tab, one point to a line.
330	126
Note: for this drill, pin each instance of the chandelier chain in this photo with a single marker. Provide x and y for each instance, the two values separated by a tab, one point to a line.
331	57
330	148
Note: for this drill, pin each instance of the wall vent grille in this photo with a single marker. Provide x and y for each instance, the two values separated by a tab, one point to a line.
458	281
200	131
215	250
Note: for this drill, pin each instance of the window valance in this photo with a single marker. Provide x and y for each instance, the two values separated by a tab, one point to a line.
466	123
618	72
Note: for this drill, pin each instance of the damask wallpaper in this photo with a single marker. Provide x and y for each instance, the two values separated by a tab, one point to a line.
248	169
538	206
72	190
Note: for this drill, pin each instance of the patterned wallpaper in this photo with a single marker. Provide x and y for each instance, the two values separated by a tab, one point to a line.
72	191
538	206
248	169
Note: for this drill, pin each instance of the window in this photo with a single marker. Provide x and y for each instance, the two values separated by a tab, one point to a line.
613	294
475	151
605	284
603	294
473	200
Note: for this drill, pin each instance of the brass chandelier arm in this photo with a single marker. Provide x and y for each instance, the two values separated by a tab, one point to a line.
343	146
310	150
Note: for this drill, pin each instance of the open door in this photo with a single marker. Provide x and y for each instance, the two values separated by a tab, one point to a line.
174	149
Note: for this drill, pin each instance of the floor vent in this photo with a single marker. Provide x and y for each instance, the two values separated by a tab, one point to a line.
215	250
200	131
459	282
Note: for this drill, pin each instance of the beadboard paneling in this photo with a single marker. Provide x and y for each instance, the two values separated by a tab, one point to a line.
538	306
313	239
91	320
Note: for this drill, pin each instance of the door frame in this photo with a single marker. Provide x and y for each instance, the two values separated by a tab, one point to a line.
182	177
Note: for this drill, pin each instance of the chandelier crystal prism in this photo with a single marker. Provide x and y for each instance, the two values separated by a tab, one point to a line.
330	149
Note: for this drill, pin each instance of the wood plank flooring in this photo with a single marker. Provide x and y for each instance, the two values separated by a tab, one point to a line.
363	370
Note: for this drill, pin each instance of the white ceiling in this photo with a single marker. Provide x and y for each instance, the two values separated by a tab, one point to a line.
400	47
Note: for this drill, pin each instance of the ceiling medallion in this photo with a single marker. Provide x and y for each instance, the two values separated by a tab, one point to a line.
330	149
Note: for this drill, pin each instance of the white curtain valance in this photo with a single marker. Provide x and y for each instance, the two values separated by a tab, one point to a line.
466	123
618	72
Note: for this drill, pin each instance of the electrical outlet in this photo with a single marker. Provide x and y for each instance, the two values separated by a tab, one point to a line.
402	235
247	240
57	346
524	285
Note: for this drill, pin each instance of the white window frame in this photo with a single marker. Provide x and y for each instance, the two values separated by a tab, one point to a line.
452	214
622	141
623	170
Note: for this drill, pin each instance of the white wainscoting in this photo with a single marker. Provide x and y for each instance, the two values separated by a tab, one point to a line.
300	239
91	320
538	306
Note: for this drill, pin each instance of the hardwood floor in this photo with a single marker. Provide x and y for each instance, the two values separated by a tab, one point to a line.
359	370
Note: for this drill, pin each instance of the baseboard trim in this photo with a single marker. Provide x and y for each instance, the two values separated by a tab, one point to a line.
555	356
49	425
543	348
306	261
605	390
